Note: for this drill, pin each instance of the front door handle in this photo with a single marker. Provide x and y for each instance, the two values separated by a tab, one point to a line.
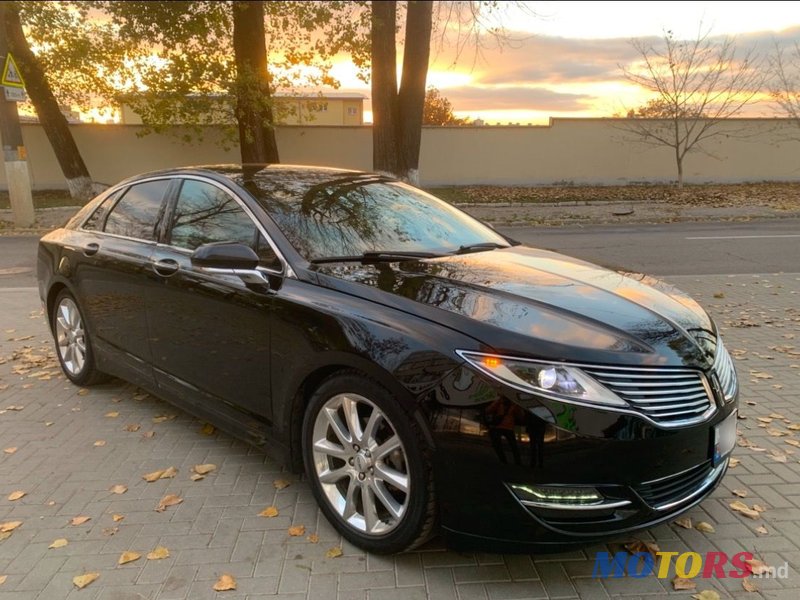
91	249
166	267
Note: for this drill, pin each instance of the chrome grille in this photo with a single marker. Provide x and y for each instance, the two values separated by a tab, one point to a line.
674	489
669	397
726	372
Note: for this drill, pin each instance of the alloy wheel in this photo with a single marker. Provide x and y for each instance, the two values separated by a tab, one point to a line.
70	336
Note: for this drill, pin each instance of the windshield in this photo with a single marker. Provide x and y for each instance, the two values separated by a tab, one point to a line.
355	214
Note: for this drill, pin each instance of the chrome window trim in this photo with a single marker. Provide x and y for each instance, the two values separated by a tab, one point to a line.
701	418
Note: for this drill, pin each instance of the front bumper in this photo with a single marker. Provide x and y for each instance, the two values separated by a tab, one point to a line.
646	474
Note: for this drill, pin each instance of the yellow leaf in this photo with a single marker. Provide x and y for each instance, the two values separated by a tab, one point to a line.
196	477
733	462
118	489
128	557
10	450
4	535
132	427
748	585
794	427
167	501
159	553
684	522
162	418
742	508
9	526
281	484
16	495
117	518
205	469
759	508
680	583
297	530
79	520
795	443
110	530
706	595
704	527
334	552
225	583
112	415
758	567
169	473
3	579
83	392
81	581
149	434
99	443
740	493
270	512
313	538
154	476
762	530
636	546
208	429
59	543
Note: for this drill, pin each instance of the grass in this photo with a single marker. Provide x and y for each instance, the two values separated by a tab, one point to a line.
44	199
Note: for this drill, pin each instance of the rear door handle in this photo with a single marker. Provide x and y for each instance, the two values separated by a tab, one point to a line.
166	267
91	249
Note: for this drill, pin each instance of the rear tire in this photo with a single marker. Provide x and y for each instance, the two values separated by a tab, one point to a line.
73	347
368	465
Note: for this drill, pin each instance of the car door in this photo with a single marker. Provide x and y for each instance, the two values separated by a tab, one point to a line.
116	244
209	332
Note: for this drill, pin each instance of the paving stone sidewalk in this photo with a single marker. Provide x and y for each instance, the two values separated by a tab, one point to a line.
65	447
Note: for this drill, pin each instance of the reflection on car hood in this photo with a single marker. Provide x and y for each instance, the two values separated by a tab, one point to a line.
565	302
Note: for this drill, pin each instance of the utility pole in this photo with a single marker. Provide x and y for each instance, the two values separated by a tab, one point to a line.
14	154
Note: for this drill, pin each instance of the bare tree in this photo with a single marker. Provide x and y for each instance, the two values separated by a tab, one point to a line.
784	72
696	85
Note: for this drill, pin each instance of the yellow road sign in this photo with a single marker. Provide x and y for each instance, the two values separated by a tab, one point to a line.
11	74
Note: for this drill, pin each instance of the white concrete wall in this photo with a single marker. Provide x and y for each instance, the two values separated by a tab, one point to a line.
579	151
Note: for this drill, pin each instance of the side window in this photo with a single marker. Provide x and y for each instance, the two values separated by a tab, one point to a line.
95	222
137	213
205	214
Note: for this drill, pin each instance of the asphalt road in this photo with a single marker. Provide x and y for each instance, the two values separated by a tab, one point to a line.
672	249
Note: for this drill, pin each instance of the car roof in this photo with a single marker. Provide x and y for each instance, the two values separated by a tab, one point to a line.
236	172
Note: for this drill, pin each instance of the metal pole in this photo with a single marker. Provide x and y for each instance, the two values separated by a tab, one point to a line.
14	153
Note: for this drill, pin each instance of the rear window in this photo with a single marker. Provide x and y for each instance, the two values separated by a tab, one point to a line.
138	212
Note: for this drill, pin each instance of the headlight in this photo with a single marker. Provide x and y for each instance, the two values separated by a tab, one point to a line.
552	380
726	372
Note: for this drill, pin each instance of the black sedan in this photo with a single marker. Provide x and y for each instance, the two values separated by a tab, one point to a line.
424	370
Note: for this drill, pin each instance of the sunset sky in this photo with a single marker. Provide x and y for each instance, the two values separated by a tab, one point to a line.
565	62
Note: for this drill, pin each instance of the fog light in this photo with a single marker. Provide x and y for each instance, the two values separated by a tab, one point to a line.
551	494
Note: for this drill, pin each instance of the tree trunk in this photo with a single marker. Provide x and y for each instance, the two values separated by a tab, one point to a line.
411	99
385	157
679	163
52	120
253	104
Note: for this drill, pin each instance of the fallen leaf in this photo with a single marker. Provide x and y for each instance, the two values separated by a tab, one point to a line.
149	434
169	473
81	581
313	538
3	579
679	583
281	484
225	583
716	295
775	432
793	426
704	527
759	508
793	442
762	530
159	553
334	552
297	530
59	543
112	415
83	392
758	567
742	508
127	557
9	526
16	495
15	407
131	427
733	462
706	595
208	429
167	501
196	477
636	546
748	585
100	443
48	423
118	489
79	520
162	418
765	419
760	375
204	469
4	535
110	530
117	518
270	512
684	522
10	450
740	493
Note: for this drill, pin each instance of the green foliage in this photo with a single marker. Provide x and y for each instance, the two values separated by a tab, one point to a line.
438	110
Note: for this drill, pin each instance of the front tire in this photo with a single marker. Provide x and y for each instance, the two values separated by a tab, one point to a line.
367	463
73	346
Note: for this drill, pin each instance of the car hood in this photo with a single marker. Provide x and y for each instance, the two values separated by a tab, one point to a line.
539	303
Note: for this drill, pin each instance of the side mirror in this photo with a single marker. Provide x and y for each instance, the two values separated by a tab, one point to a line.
227	258
225	255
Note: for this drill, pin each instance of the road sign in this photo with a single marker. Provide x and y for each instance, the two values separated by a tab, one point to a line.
15	94
11	74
